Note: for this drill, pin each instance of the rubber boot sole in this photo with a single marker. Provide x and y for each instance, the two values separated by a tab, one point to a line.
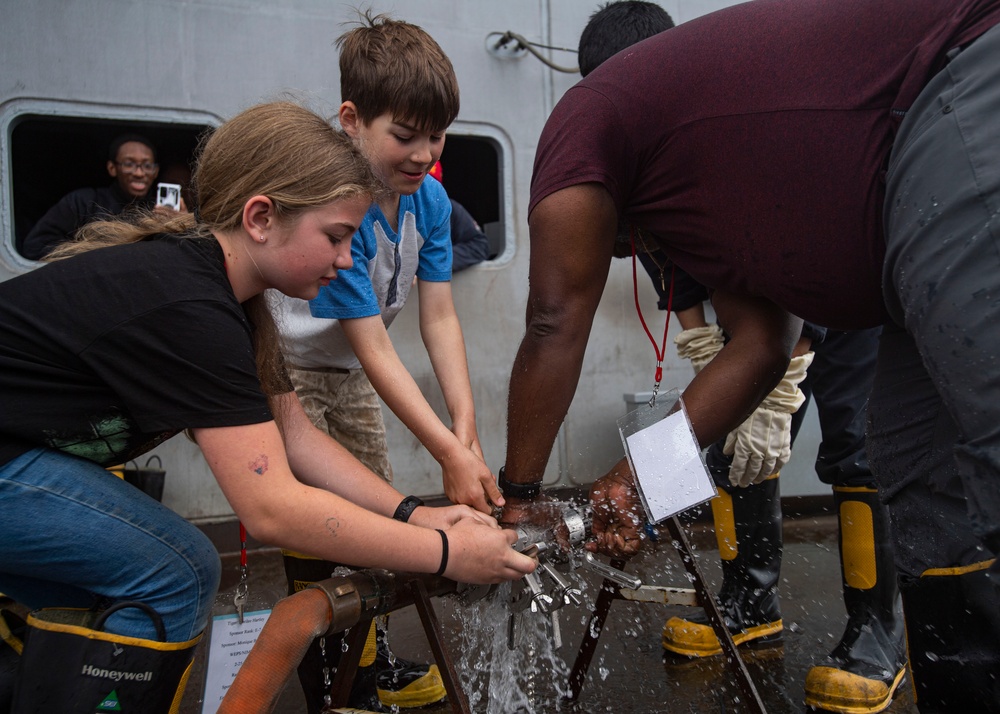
834	690
692	639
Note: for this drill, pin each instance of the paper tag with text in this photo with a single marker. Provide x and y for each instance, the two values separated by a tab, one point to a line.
665	458
228	646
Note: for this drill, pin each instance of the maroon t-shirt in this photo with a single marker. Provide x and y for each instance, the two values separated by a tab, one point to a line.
752	142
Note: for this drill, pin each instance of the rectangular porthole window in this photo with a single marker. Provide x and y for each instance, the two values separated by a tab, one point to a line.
53	148
476	174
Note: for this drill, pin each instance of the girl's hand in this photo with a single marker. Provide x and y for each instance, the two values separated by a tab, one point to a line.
445	517
479	554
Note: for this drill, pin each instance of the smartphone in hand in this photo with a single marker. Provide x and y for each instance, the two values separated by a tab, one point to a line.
169	194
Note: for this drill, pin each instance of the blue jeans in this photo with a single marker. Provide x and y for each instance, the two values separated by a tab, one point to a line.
74	535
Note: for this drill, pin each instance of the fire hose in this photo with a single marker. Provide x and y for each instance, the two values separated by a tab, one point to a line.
324	608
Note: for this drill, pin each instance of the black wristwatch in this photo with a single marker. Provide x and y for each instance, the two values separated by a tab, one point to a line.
406	507
524	491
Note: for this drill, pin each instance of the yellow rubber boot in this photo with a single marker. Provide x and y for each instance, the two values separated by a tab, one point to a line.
400	682
862	673
953	637
748	531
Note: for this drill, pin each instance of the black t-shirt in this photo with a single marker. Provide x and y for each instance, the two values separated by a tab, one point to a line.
106	354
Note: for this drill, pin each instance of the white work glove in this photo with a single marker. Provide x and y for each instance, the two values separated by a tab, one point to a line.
762	444
699	344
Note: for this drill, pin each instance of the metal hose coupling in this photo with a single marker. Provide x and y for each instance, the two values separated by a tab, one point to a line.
573	525
372	592
555	584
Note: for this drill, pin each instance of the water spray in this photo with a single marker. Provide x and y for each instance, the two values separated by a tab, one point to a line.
554	583
551	587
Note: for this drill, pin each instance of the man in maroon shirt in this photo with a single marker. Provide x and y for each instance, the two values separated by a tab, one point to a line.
835	161
868	664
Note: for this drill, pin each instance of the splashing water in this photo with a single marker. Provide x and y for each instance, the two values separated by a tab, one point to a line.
529	678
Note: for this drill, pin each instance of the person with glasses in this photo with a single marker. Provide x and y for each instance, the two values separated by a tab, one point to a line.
133	169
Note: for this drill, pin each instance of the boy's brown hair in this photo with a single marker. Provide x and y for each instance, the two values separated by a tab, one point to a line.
391	66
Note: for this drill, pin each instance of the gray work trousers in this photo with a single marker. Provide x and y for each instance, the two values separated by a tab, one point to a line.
934	415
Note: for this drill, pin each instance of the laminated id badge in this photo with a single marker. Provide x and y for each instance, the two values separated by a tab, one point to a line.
665	457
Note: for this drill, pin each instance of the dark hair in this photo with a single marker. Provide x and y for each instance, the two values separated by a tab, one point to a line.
617	25
122	139
392	66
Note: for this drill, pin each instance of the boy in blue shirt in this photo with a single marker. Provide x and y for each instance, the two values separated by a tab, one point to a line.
399	94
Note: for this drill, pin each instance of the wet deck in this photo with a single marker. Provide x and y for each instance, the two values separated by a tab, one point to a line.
630	672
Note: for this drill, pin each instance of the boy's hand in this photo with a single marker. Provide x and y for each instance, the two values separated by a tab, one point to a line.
468	480
469	441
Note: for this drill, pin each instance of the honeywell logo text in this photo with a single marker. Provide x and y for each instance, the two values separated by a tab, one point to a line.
91	671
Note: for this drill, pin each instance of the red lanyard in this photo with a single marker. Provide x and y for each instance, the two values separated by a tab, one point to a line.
662	350
242	588
243	551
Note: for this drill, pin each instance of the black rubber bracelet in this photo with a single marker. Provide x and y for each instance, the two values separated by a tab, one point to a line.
406	508
518	490
444	552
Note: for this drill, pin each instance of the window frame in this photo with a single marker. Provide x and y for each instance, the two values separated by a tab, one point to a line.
15	111
505	184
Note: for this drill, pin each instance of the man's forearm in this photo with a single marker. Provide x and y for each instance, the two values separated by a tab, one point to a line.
733	384
542	385
566	281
